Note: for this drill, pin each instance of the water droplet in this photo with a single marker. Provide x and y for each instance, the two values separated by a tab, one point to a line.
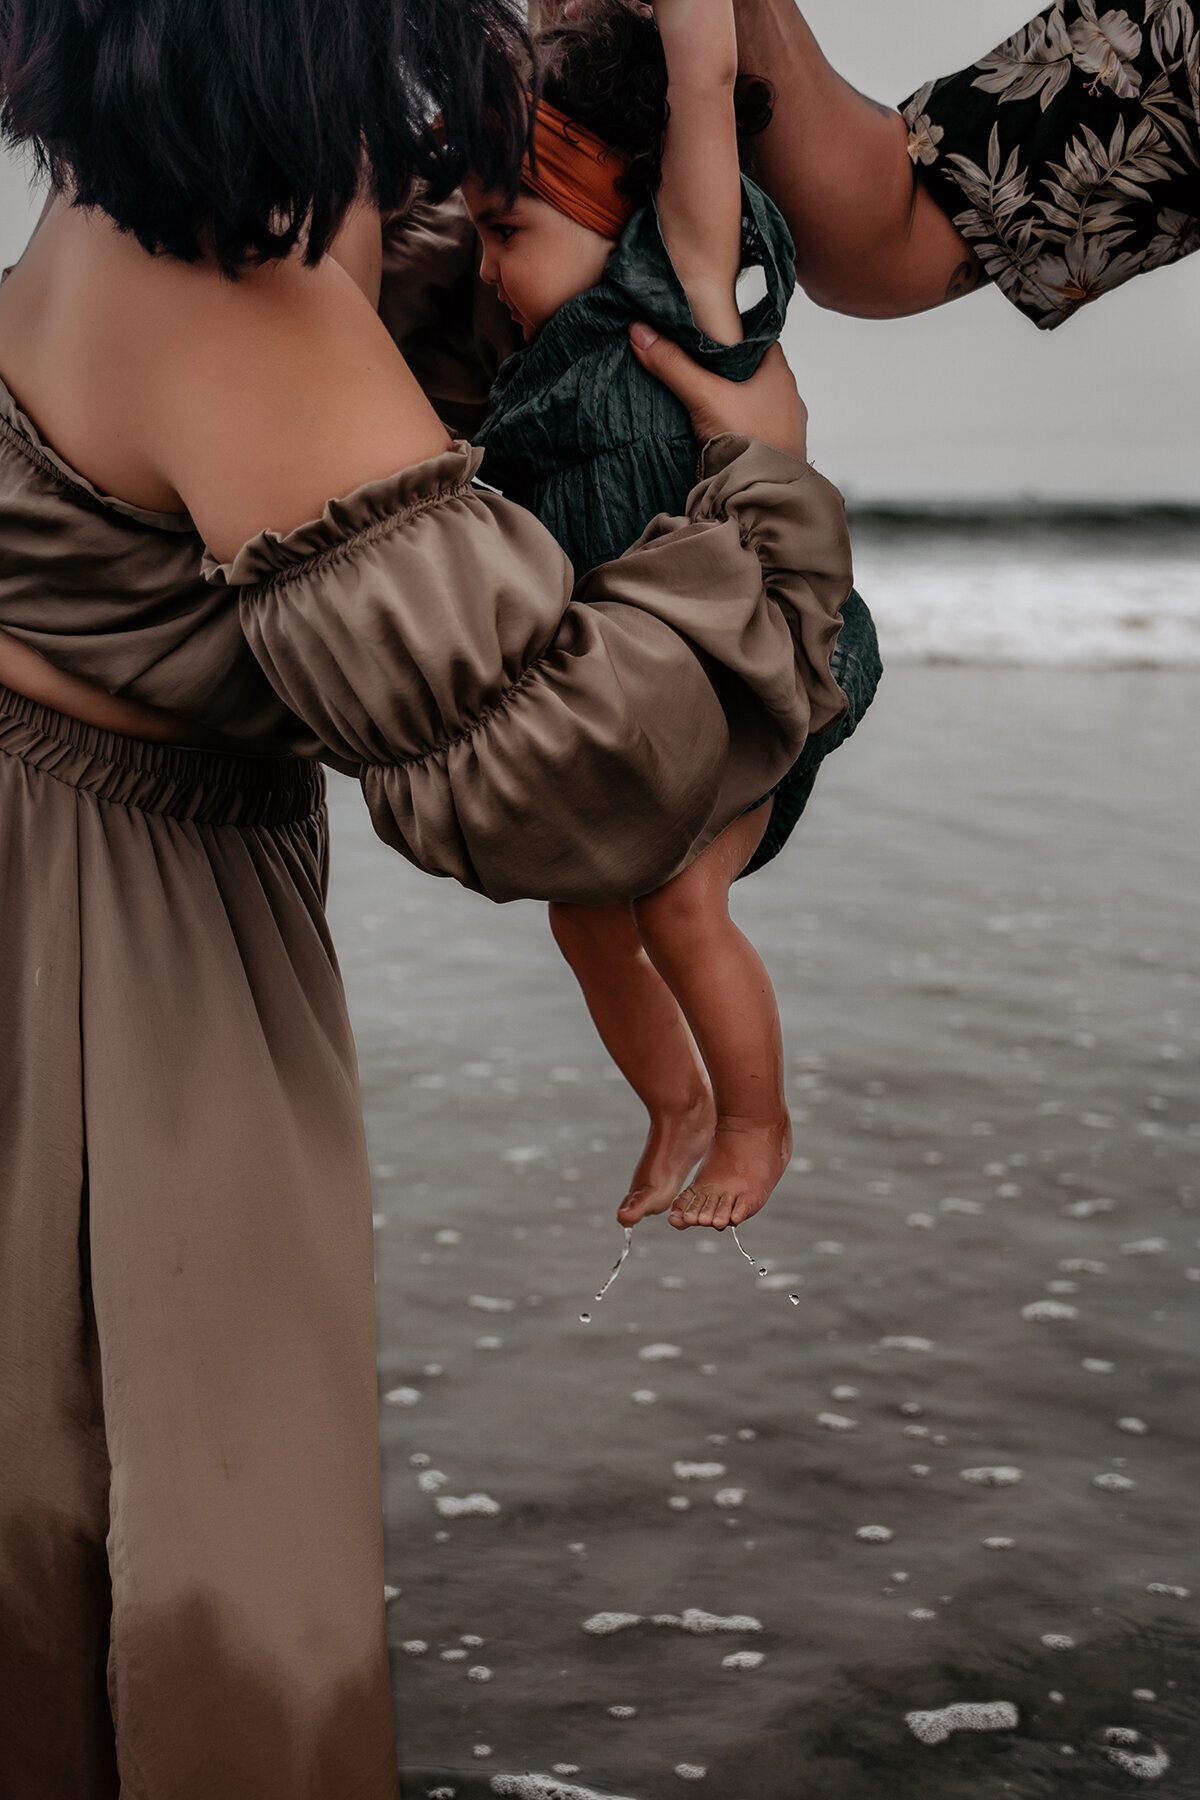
585	1318
795	1299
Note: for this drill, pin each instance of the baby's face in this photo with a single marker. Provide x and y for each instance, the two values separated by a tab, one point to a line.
534	256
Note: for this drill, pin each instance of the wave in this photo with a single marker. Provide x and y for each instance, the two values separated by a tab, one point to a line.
1033	586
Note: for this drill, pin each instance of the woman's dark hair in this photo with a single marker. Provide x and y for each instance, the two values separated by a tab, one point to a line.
604	67
242	127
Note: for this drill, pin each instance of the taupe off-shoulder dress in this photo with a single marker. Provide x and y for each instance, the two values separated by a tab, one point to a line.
190	1539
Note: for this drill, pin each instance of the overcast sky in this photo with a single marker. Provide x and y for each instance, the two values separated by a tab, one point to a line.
969	402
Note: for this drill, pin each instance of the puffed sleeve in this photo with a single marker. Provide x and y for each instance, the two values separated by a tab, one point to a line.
532	738
1069	158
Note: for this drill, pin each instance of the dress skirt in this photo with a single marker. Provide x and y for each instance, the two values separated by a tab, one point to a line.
191	1575
856	667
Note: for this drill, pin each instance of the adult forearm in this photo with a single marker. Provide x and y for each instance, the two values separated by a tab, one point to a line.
869	239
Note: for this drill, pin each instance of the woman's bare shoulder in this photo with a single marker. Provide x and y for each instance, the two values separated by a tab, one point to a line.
278	392
247	403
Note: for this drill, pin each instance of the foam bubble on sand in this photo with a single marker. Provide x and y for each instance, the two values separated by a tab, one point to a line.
403	1396
431	1480
702	1624
690	1771
481	1750
746	1435
415	1647
743	1659
997	1477
679	1503
1119	1747
565	1768
489	1343
442	1793
922	1613
1146	1247
471	1641
1087	1209
545	1787
842	1392
1144	1694
1055	1640
730	1496
453	1655
967	1715
970	1209
1168	1588
999	1543
919	1345
447	1237
481	1505
830	1421
776	1283
875	1534
643	1396
1082	1265
1049	1309
698	1471
1134	1427
622	1712
1096	1366
1113	1483
603	1624
489	1303
479	1672
919	1469
522	1155
921	1221
653	1353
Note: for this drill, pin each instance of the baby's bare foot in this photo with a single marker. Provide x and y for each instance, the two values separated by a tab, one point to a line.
675	1144
745	1161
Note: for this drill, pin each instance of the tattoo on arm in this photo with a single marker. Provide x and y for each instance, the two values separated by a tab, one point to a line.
965	279
887	112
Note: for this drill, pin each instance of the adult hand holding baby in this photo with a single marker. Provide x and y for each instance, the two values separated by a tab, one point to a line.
766	406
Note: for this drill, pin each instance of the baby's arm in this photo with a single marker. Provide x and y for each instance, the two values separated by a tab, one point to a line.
700	200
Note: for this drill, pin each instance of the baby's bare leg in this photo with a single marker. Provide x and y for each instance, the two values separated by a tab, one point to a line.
725	993
648	1038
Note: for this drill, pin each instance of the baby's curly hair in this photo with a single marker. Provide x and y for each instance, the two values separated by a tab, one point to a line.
605	68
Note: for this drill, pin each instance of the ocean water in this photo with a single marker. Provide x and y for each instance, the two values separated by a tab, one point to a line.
1068	589
929	1532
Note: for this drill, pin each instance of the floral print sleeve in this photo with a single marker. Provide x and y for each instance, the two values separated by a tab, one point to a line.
1070	157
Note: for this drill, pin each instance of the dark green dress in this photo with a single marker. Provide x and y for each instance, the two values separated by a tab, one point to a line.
581	435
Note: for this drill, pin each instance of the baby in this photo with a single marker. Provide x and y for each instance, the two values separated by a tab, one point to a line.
634	208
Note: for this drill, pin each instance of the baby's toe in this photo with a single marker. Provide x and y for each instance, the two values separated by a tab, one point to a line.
725	1212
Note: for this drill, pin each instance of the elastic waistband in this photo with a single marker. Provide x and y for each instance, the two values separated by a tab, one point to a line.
209	787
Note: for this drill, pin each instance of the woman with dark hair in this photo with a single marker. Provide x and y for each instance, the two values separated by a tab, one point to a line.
235	541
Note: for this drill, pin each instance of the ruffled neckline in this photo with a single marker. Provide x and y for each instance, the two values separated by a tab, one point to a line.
368	511
33	444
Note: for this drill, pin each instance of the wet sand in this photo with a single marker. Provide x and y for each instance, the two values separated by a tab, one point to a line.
984	940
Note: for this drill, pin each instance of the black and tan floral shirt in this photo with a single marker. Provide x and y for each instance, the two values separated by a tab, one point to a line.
1070	157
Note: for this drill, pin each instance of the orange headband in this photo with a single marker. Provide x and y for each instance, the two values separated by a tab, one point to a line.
577	172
